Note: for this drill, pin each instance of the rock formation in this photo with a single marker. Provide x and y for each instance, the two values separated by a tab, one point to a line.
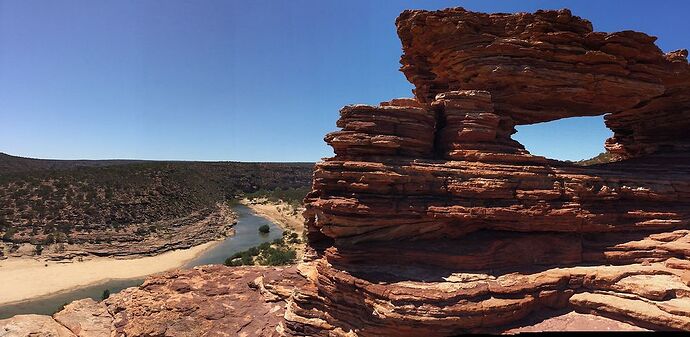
205	301
430	220
550	65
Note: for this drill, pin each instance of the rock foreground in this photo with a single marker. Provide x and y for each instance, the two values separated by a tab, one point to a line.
204	301
431	221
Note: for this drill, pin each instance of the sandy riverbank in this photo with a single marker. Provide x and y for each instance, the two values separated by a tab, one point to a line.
26	278
279	213
283	215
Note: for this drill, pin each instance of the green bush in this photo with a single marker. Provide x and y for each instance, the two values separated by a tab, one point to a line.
264	255
279	256
264	229
106	294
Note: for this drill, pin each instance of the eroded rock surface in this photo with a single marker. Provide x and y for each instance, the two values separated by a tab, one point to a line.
452	226
33	326
204	301
574	321
85	318
550	64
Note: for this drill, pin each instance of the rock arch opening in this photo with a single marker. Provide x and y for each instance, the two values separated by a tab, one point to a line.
567	139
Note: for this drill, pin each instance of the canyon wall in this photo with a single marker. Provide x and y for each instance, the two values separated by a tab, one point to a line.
430	220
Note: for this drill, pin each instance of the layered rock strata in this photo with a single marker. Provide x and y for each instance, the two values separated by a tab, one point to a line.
550	64
453	227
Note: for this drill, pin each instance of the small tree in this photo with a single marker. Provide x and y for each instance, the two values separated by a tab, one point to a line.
106	294
264	229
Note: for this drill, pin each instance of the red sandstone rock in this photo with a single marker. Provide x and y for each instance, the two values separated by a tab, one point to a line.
388	129
204	301
85	318
33	325
574	321
550	64
453	227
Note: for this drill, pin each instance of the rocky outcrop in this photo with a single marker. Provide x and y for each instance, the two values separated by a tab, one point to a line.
85	318
550	65
204	301
32	325
574	321
430	220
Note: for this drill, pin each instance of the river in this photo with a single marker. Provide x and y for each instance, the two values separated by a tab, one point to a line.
246	236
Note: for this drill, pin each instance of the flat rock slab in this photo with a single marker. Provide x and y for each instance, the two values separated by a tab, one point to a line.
574	321
33	326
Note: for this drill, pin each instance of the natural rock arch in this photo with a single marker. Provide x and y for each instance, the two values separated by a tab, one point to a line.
549	65
430	220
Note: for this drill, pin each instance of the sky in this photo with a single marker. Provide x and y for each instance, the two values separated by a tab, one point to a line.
238	80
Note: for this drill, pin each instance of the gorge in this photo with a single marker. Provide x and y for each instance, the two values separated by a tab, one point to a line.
430	220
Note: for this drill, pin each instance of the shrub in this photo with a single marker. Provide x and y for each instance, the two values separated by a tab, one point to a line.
264	255
279	256
106	294
264	229
240	259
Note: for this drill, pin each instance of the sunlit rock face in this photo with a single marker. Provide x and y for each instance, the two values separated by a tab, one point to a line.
549	65
431	221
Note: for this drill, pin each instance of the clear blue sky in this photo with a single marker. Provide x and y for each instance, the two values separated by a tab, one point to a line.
237	80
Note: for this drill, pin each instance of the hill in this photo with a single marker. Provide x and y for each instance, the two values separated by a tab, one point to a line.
14	164
103	206
602	158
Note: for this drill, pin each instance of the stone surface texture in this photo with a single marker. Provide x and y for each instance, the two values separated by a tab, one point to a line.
204	301
33	326
431	221
549	65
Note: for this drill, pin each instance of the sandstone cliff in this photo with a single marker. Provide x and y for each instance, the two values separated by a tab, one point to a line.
430	220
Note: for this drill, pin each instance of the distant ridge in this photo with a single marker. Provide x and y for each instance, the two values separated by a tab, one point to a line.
103	206
16	164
